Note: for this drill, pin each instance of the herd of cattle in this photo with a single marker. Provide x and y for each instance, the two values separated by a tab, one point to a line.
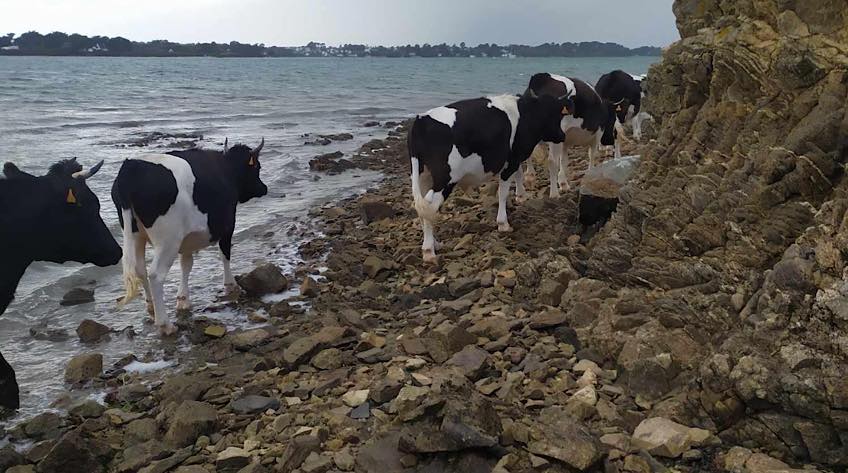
183	201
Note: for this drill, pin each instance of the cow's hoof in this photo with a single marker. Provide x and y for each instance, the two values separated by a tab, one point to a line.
430	258
554	194
232	291
167	330
504	227
183	304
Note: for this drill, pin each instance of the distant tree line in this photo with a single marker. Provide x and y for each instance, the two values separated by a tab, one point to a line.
62	44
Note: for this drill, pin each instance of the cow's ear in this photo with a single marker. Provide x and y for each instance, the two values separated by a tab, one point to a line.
12	172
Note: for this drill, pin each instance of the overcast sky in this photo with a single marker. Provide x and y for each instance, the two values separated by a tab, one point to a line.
386	22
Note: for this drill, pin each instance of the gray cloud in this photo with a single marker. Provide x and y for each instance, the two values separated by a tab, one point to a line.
387	22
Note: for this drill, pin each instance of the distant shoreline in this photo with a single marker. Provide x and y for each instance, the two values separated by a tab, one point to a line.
75	45
316	57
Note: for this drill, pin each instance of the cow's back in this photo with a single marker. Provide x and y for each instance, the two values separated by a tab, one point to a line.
152	186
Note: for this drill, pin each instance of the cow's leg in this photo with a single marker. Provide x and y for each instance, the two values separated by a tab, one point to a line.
529	173
231	288
141	270
504	184
9	392
554	154
428	210
163	257
637	127
183	298
562	177
520	191
617	149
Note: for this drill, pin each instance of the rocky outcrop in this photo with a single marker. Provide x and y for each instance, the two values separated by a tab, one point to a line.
718	286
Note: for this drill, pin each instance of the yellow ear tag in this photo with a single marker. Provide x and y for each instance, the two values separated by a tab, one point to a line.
565	111
252	162
71	199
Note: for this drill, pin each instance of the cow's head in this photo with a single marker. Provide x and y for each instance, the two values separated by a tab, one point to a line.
66	216
245	161
554	111
621	109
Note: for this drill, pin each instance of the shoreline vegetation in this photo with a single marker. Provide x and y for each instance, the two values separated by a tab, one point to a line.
61	44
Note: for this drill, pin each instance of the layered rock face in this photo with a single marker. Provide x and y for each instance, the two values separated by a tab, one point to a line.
720	286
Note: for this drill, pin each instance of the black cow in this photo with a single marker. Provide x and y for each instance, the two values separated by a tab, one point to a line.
467	142
181	202
625	92
591	125
53	218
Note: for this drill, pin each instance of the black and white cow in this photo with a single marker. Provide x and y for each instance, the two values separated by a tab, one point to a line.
53	218
625	92
468	142
591	125
181	202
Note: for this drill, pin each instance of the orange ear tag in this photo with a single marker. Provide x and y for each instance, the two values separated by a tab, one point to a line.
71	199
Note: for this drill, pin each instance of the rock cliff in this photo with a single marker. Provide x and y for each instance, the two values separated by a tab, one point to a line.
720	285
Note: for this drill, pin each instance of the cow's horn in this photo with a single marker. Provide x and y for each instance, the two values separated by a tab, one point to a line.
86	173
226	144
259	148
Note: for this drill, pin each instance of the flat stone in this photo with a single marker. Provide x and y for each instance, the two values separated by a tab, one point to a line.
247	339
355	398
665	438
253	404
548	319
77	296
215	331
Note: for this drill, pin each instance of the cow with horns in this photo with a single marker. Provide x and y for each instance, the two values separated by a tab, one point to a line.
53	218
181	202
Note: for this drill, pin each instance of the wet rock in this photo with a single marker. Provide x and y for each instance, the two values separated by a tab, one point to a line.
192	419
83	368
265	279
310	287
90	331
9	457
374	210
331	163
558	436
77	296
75	452
665	438
87	409
253	404
215	331
45	425
42	332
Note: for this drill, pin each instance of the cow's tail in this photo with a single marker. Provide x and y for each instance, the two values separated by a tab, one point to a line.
422	203
132	282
